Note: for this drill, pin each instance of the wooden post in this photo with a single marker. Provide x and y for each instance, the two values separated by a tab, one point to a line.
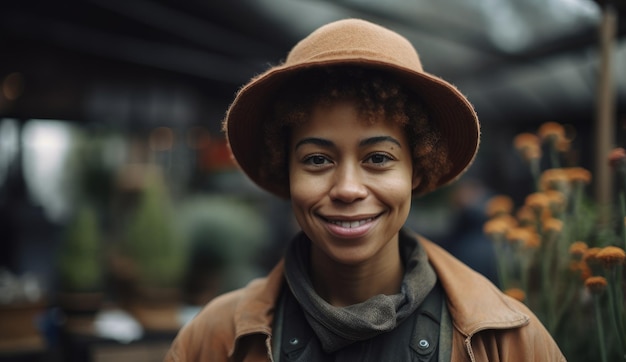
605	111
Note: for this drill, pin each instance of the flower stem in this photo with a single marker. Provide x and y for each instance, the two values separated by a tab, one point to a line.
622	201
598	310
547	261
616	308
535	170
554	156
576	212
502	272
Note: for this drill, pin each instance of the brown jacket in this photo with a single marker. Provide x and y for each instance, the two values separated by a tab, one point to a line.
488	326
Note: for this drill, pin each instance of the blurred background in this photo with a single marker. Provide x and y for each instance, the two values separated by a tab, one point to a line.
121	213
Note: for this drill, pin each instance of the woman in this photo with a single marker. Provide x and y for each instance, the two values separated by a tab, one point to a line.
350	128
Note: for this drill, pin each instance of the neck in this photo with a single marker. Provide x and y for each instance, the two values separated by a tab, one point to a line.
342	285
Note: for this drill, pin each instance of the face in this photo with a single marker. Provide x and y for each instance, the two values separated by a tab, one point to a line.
350	183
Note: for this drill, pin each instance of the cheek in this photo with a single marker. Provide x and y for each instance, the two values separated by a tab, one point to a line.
402	181
302	187
396	191
303	199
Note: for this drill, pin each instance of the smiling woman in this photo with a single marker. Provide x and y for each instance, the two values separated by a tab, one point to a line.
350	128
348	196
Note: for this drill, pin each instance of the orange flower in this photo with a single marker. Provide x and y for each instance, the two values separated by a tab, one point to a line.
506	218
552	224
499	204
517	235
496	227
556	200
525	215
528	145
537	201
611	255
516	293
585	271
563	145
554	179
533	241
582	268
617	157
596	284
551	131
546	214
578	174
524	236
590	255
578	248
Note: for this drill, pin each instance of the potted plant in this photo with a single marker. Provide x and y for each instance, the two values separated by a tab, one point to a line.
81	269
222	253
156	256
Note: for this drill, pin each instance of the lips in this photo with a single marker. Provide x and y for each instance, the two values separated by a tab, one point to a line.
350	224
351	227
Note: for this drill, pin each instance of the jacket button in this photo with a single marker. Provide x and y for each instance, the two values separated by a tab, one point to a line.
294	341
423	344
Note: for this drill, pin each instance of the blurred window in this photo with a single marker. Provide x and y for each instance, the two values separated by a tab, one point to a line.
46	148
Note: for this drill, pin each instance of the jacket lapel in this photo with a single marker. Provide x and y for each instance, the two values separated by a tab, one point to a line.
464	288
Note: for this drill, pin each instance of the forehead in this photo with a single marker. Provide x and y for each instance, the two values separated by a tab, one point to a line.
344	119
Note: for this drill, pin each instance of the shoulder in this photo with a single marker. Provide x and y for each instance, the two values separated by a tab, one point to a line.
529	342
209	333
212	333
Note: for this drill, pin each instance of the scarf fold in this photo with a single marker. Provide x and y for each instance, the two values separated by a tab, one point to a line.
337	327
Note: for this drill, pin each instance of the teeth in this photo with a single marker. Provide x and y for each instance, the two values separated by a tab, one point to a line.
351	224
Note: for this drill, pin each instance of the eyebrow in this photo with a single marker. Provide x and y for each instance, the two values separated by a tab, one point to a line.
322	142
379	139
314	141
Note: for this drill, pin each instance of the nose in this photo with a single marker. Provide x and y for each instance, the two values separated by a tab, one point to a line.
348	184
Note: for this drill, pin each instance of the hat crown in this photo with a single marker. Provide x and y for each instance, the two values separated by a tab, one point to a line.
355	39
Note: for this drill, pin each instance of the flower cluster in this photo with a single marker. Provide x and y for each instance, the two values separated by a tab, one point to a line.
556	254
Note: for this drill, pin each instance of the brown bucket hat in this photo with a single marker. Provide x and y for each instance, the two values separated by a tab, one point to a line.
350	42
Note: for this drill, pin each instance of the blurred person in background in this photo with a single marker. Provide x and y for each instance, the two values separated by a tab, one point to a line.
350	129
464	238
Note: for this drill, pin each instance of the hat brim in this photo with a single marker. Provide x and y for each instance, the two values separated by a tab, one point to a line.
446	106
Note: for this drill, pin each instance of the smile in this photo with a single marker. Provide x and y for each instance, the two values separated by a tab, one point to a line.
350	224
351	227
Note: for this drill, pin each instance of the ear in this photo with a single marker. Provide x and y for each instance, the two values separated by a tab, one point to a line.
417	179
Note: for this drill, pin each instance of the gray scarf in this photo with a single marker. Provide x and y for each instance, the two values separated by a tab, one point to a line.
337	327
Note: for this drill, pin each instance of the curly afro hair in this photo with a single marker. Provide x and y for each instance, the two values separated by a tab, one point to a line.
378	96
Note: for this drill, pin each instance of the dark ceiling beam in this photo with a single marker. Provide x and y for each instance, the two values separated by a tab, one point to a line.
176	58
188	27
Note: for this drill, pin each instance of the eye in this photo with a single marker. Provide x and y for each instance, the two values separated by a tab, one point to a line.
378	159
316	160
